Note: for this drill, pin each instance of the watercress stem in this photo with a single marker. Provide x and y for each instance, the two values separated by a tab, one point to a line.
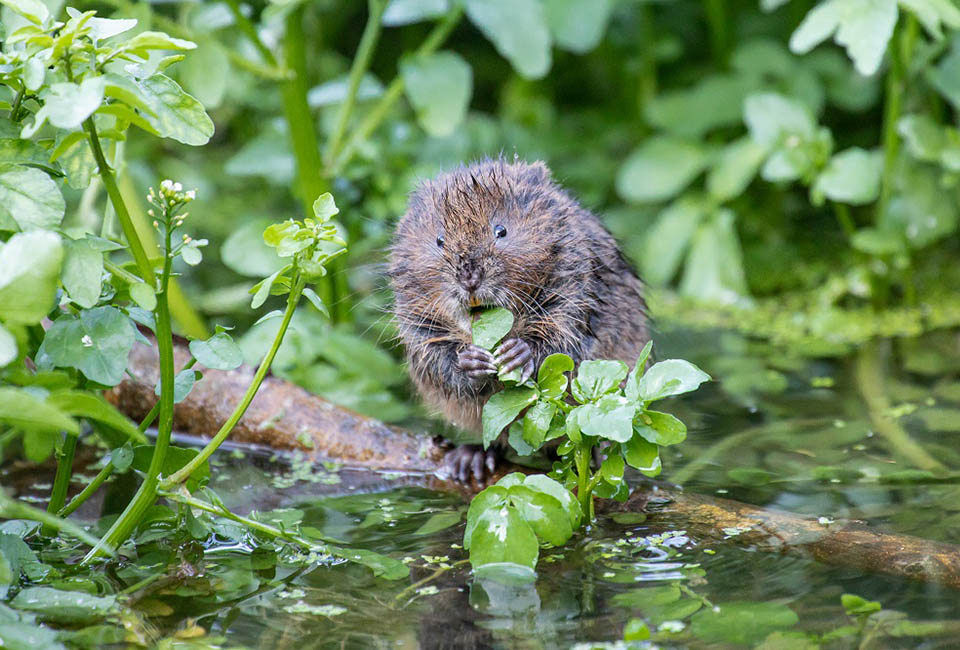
184	472
116	199
87	492
146	495
250	31
58	494
843	217
394	91
584	491
361	62
900	52
717	22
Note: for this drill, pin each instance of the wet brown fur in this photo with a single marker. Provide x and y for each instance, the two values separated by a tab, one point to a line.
558	270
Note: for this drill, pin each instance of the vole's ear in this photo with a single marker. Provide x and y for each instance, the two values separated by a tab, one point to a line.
537	172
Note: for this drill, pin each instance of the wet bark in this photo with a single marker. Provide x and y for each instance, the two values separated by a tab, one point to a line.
286	417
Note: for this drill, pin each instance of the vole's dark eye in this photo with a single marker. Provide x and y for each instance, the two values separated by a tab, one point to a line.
440	241
499	232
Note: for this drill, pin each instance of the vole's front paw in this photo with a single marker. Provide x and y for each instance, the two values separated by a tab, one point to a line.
477	362
513	354
466	460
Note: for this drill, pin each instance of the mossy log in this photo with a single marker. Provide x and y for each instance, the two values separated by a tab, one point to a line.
286	417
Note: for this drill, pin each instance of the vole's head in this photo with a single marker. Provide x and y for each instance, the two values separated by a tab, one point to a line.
482	235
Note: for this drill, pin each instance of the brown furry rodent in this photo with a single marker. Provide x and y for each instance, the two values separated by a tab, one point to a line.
499	233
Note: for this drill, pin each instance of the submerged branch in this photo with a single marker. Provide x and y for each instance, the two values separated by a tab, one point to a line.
284	416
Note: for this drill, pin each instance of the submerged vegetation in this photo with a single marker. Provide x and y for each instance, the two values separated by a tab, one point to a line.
783	173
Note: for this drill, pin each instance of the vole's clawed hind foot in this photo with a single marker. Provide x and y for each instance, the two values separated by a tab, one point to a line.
470	460
477	362
513	354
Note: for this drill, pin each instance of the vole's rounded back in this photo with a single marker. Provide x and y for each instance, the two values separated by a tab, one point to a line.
499	233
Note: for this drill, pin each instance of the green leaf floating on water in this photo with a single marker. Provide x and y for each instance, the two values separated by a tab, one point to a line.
491	326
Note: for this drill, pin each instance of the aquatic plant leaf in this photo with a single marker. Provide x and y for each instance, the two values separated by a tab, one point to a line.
81	272
29	269
632	386
543	513
406	12
551	379
545	484
577	25
518	29
863	27
97	344
670	377
502	536
609	417
29	199
741	622
851	176
491	326
503	408
660	169
218	352
439	87
597	377
59	606
536	423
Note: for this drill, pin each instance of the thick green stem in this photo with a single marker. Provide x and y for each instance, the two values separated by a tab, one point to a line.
58	494
87	492
361	62
116	199
719	33
843	217
147	494
900	52
394	91
13	509
584	491
184	473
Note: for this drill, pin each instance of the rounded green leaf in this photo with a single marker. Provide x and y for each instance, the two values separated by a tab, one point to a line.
642	455
660	169
670	377
491	326
551	378
666	242
545	484
29	269
97	344
144	295
668	429
863	27
610	417
714	267
543	513
439	87
81	273
29	199
503	408
406	12
93	406
494	496
735	168
501	535
518	29
770	117
58	606
577	25
219	352
596	377
536	423
8	346
22	409
851	176
245	252
741	622
632	386
175	114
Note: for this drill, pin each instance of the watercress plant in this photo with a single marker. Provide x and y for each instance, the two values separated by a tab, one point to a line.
602	410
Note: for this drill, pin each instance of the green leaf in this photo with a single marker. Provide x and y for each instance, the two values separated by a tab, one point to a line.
934	13
324	207
543	513
924	137
551	378
33	10
669	238
104	28
670	377
771	118
610	417
406	12
874	241
261	290
612	467
81	273
66	105
863	27
8	346
245	252
855	605
175	114
714	267
58	606
333	92
144	295
27	636
636	630
206	73
491	326
735	168
536	423
681	112
632	388
492	497
29	268
917	211
741	622
439	521
145	41
29	199
97	344
577	25
945	77
660	169
93	406
219	352
661	428
439	87
596	377
502	536
642	455
852	176
503	408
518	29
22	409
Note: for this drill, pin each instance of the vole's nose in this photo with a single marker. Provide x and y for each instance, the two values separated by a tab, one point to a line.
470	276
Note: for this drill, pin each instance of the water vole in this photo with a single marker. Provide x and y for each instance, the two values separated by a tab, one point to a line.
499	233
